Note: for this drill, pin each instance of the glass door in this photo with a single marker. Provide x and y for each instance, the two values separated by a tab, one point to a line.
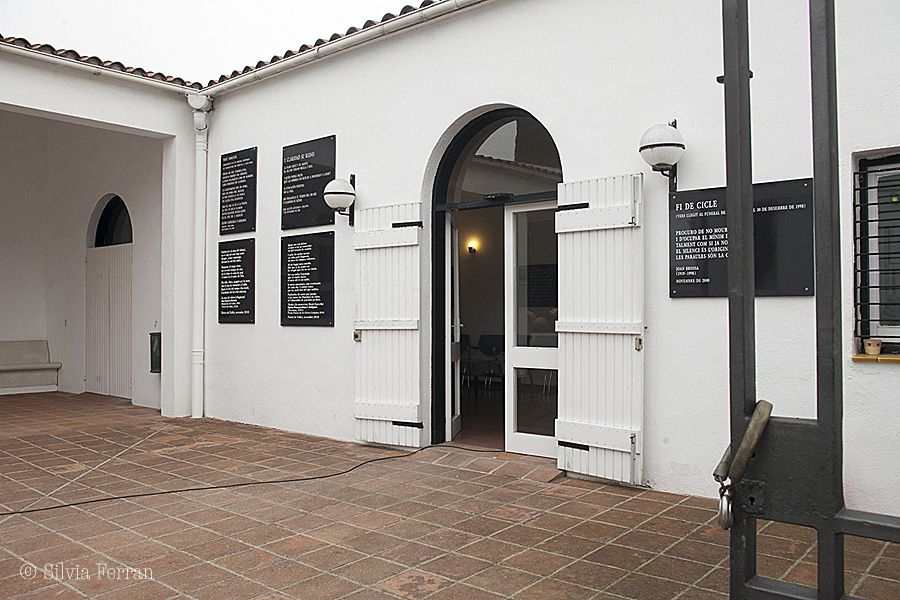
532	305
453	333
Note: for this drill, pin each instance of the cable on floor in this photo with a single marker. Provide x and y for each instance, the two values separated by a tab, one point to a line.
244	483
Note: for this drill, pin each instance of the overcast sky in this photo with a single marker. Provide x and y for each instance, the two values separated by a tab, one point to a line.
194	39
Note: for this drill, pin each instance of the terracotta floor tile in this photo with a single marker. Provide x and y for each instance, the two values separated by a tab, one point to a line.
449	539
589	575
410	553
369	570
490	550
570	545
554	589
710	554
455	566
676	569
502	580
321	587
619	556
537	562
642	587
248	560
413	584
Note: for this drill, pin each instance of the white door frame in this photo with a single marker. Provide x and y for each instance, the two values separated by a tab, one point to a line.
520	357
452	333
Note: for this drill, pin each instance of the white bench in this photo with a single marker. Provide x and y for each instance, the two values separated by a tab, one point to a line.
25	367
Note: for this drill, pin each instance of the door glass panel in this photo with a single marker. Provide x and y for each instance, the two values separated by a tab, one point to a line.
537	303
536	401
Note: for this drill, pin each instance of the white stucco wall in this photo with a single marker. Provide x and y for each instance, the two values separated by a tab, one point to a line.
94	135
596	74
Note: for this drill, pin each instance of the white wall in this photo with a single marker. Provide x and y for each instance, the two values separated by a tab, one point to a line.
596	74
53	187
160	148
23	261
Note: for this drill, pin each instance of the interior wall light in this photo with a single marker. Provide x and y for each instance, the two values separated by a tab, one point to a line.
472	246
662	147
340	195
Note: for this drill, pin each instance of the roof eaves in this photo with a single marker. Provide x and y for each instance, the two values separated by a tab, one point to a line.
73	55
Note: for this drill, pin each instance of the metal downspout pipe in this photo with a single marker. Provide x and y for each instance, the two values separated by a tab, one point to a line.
201	105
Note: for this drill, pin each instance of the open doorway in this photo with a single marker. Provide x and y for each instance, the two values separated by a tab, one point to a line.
495	286
480	248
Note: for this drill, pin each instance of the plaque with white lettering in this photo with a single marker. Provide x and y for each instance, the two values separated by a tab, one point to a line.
237	281
307	280
782	232
306	169
237	192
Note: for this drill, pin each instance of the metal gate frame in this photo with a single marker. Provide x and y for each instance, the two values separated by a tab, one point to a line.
796	475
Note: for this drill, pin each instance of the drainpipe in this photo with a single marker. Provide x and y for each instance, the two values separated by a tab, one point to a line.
201	105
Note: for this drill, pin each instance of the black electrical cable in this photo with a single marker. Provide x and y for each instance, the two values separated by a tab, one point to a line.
243	483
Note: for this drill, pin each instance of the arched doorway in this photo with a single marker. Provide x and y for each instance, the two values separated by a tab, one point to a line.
108	285
495	288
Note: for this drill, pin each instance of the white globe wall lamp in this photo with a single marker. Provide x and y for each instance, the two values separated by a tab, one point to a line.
340	195
662	147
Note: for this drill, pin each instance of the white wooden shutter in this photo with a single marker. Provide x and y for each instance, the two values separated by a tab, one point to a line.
387	404
601	306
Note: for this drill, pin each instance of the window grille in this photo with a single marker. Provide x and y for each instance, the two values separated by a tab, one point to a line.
876	220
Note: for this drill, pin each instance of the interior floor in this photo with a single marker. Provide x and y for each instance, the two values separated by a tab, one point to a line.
482	417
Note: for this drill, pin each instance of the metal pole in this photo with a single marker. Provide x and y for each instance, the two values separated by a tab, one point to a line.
829	400
741	270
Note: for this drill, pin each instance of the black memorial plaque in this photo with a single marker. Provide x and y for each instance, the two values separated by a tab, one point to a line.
307	280
237	192
783	236
306	169
237	281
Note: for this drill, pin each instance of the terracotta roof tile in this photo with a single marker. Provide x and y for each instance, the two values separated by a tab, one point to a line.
95	61
118	66
335	36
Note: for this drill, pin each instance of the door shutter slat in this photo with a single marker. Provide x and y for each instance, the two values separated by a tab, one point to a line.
600	316
388	306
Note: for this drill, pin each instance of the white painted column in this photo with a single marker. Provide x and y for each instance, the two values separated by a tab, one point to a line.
201	105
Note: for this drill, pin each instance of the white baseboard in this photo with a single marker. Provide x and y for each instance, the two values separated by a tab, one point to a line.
34	389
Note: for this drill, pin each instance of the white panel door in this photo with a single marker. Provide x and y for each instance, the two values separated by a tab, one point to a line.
108	339
601	322
96	351
531	304
387	406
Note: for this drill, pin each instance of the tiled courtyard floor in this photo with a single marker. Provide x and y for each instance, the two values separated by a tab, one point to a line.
443	524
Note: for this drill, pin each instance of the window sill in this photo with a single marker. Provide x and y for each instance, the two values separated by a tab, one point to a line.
876	358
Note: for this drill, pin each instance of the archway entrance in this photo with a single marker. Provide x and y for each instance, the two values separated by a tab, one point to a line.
108	335
495	285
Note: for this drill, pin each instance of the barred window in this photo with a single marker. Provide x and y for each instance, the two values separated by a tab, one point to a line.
877	251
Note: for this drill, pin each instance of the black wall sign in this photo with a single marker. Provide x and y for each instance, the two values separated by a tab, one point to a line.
237	192
237	281
783	236
306	169
307	279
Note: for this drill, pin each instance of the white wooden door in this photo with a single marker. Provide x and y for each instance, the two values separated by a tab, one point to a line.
601	325
454	330
531	354
387	406
108	335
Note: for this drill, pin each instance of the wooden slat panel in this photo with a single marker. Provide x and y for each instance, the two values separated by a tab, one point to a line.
386	238
599	436
596	327
601	312
388	382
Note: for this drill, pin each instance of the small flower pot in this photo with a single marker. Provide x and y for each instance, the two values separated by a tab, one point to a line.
872	347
